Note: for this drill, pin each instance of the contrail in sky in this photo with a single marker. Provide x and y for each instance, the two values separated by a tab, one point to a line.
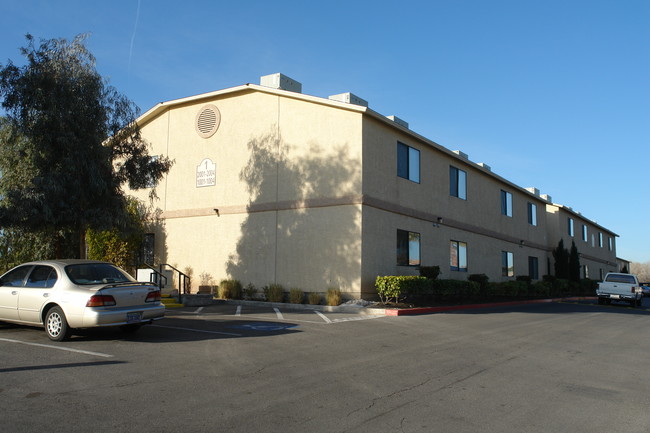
135	29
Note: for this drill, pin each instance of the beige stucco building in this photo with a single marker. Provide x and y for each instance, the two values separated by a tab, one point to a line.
273	186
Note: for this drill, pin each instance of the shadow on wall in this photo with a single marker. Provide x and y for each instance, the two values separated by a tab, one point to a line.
298	232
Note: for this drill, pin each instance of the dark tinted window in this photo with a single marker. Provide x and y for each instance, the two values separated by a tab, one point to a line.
96	273
42	276
621	278
16	277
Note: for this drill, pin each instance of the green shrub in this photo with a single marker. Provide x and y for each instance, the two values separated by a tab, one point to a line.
430	272
540	289
296	296
455	290
508	289
274	293
333	296
481	279
588	287
250	291
397	287
524	278
314	298
230	289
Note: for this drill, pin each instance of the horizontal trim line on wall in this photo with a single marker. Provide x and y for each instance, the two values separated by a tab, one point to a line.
351	200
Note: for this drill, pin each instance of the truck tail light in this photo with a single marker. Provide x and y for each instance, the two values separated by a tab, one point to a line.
100	301
153	296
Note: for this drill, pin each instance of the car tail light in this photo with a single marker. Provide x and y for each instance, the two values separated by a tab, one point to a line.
100	301
153	296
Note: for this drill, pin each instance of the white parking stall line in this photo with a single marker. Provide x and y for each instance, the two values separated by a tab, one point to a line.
322	316
49	346
197	330
278	313
238	312
198	310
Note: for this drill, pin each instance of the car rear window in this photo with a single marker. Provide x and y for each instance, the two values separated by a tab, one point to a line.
96	273
620	278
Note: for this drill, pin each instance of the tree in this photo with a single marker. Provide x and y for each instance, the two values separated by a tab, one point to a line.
641	270
574	263
561	256
123	246
70	144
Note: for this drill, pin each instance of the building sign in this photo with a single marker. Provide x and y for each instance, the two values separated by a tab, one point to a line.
206	173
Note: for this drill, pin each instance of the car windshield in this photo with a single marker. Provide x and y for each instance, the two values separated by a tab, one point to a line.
96	273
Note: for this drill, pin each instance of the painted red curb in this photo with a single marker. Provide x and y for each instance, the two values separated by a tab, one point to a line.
431	310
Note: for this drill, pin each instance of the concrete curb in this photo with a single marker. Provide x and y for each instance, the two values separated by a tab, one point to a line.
447	308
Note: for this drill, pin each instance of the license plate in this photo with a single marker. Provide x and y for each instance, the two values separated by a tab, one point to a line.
614	296
133	317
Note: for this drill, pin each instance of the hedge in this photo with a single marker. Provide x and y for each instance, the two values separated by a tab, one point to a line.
397	287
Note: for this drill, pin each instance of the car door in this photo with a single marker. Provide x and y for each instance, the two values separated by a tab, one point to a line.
11	284
36	292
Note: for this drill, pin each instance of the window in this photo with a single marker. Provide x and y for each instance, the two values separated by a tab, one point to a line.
457	183
586	271
16	277
533	268
458	256
506	203
570	227
148	248
593	240
532	214
507	264
42	276
408	162
600	239
584	233
602	274
408	248
610	242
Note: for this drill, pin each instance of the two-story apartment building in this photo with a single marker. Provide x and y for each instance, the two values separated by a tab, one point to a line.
273	186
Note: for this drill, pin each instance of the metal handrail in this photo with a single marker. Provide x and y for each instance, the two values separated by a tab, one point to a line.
183	281
160	275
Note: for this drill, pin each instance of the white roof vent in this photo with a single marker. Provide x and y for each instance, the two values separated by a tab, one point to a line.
280	81
547	197
532	190
349	98
399	121
461	154
485	166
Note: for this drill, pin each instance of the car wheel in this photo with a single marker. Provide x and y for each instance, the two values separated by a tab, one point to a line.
56	326
131	329
601	301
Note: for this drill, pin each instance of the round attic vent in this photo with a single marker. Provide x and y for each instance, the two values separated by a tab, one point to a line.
207	121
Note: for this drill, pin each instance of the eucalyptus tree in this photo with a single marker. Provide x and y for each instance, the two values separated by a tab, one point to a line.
70	143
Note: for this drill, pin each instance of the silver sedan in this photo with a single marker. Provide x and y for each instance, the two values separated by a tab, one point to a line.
61	295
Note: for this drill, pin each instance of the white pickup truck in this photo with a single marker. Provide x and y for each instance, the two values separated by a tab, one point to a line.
620	287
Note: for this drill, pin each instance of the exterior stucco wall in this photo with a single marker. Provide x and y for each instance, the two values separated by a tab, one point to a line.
288	181
307	196
392	203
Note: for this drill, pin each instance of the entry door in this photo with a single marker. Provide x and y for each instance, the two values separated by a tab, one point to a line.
37	291
10	286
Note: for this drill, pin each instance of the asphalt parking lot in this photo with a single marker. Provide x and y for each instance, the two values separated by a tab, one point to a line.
553	367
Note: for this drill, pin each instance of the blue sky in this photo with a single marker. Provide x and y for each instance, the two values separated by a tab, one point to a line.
553	94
